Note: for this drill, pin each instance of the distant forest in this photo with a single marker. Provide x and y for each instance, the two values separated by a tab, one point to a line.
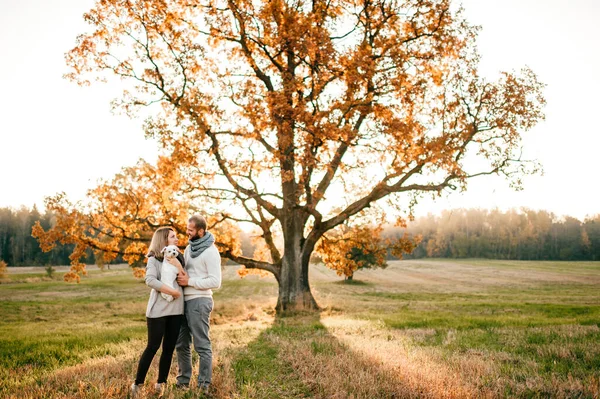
464	233
19	248
515	234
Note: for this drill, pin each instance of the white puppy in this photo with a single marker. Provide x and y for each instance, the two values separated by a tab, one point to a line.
168	273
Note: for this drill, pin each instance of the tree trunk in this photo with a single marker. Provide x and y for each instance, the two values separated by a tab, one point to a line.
294	289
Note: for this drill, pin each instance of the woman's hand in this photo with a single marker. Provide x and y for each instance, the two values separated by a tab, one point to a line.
175	262
175	293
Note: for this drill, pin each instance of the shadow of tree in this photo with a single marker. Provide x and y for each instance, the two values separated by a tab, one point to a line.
298	357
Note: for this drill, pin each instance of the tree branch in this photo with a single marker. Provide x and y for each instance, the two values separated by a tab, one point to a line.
249	263
272	209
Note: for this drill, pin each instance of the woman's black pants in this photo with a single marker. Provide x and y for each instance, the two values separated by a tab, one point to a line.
161	329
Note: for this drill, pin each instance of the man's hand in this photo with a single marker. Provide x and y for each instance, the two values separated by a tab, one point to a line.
183	278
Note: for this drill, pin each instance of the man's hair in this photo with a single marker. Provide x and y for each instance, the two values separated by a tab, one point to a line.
198	221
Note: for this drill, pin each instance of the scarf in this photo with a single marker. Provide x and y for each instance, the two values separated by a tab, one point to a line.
201	244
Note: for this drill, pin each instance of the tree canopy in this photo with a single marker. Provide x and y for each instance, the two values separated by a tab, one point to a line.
297	116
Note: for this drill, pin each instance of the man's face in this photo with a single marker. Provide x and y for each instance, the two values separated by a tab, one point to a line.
193	232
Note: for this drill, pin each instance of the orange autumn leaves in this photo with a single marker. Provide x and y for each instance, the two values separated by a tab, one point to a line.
3	270
348	249
120	216
294	117
138	272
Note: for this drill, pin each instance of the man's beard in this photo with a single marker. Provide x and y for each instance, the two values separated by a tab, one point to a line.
195	237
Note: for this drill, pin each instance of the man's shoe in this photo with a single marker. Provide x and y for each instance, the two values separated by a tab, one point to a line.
182	387
205	389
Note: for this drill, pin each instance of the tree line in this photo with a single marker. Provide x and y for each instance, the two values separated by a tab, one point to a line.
517	234
19	248
463	233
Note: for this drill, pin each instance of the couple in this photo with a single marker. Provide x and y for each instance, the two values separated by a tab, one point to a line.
185	319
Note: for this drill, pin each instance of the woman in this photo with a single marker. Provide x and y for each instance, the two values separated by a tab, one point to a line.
162	317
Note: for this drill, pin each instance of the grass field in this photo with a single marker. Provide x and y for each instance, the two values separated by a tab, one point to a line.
426	328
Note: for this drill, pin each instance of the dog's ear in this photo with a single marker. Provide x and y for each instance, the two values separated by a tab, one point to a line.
163	250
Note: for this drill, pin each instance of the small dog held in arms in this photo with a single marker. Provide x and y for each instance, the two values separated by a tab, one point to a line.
168	274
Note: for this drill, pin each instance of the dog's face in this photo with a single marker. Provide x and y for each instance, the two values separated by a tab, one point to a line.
170	251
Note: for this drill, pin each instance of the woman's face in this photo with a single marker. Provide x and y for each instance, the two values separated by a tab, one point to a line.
172	239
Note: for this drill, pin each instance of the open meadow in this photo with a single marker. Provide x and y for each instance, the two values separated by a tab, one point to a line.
420	328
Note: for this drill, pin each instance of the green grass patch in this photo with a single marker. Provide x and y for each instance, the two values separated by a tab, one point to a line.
48	324
261	372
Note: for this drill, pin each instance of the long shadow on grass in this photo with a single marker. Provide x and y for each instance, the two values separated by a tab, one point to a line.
297	357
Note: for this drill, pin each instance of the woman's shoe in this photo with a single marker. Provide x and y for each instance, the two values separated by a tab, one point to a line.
159	389
135	390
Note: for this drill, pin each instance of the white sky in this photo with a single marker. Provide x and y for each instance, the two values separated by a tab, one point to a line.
56	136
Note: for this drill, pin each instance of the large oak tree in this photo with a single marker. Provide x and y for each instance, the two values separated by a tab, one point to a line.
297	116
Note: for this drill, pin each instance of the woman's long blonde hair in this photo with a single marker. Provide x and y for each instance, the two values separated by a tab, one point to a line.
159	241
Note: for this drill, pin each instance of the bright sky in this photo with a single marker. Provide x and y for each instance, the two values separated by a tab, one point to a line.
56	136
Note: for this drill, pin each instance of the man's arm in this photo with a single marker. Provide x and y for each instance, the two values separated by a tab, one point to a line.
213	280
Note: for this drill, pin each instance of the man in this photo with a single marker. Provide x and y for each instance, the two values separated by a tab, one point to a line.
202	275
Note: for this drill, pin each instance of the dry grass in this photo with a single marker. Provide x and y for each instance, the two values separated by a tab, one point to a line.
416	330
